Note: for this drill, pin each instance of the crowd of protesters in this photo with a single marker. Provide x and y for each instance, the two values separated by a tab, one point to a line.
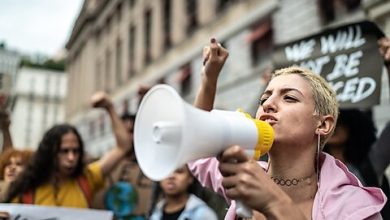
57	174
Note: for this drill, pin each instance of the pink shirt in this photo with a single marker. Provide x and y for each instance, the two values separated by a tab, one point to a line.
340	194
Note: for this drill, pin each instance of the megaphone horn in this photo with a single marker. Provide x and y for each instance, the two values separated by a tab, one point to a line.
169	132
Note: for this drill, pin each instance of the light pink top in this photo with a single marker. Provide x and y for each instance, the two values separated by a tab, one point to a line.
340	194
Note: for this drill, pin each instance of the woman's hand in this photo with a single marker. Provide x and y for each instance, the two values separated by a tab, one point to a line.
214	57
101	100
245	180
4	119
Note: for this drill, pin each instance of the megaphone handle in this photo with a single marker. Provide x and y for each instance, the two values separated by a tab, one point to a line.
242	210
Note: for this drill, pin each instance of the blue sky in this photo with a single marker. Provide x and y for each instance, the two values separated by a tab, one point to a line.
37	26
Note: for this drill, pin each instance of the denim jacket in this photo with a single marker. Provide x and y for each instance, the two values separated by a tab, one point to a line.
195	209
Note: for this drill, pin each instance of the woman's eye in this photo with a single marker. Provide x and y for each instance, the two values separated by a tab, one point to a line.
262	100
290	99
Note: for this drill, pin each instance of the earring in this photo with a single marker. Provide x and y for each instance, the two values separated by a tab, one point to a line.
318	157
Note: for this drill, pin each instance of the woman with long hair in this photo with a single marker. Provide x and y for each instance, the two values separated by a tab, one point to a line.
57	175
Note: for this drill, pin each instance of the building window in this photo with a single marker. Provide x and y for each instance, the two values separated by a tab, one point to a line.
147	37
46	101
92	129
5	88
101	122
132	3
99	76
192	21
108	71
331	9
167	24
223	4
30	112
261	40
125	106
2	84
56	99
131	62
118	63
108	23
45	113
98	33
55	110
119	12
185	79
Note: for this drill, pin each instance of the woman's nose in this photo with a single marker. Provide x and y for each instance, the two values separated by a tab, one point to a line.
71	155
11	167
269	105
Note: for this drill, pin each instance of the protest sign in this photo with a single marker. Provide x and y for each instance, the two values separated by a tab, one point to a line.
346	56
34	212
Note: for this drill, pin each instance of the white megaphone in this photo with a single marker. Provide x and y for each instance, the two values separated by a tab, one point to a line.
169	132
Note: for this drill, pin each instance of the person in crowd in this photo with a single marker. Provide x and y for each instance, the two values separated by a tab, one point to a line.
380	153
57	175
354	135
380	157
355	142
126	172
179	201
4	215
351	143
4	126
384	46
12	163
299	181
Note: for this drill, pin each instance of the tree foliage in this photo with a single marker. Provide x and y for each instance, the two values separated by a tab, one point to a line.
50	64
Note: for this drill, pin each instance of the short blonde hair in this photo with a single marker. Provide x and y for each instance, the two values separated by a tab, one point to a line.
325	102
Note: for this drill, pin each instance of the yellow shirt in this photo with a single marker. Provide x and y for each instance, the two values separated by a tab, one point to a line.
3	190
69	194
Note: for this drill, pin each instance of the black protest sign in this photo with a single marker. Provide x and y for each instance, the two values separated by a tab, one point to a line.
346	56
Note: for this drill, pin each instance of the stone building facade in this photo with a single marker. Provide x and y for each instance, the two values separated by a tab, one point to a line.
39	104
9	66
121	45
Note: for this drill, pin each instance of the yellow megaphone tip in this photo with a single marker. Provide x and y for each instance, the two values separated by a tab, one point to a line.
265	136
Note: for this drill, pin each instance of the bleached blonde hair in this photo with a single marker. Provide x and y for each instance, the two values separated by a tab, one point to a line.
325	102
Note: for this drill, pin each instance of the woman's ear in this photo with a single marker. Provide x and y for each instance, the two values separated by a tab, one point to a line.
190	180
325	125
